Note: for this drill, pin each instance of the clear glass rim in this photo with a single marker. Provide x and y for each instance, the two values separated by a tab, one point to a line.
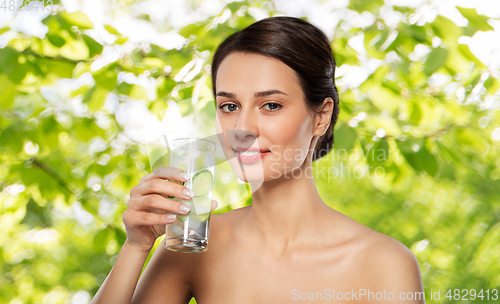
186	140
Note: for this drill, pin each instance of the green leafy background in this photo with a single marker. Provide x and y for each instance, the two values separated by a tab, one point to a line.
425	124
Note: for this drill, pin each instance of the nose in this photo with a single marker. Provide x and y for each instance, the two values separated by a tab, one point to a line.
243	134
246	127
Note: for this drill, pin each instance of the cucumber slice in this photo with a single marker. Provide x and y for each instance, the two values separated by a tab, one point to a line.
202	182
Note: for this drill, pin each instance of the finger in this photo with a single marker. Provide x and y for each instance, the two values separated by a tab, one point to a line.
166	173
163	187
133	218
152	202
214	205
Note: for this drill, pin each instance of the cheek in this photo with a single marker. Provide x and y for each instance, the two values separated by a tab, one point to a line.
221	128
218	126
289	138
224	122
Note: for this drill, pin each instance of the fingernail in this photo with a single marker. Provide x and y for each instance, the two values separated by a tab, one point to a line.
171	217
184	208
188	193
184	176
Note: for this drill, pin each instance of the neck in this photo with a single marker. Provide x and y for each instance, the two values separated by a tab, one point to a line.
287	211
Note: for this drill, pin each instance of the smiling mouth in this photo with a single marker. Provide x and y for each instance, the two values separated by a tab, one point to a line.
251	155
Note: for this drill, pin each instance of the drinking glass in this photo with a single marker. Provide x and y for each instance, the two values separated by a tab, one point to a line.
195	156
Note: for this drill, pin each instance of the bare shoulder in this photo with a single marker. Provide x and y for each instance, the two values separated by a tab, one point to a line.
387	264
222	224
227	218
233	213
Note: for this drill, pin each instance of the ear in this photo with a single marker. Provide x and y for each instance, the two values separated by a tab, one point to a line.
324	117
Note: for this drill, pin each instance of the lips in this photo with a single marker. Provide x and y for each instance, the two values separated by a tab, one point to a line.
249	149
250	155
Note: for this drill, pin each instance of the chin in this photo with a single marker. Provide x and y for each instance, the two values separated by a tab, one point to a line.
248	173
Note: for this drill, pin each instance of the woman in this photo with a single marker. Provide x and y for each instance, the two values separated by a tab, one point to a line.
275	93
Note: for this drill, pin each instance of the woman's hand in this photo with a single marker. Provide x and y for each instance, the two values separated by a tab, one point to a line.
148	206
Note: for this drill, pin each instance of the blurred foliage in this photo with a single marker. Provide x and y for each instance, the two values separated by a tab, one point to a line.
422	123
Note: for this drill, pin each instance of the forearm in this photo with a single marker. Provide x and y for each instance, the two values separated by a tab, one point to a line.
119	286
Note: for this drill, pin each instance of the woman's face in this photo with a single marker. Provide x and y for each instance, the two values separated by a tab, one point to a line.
260	104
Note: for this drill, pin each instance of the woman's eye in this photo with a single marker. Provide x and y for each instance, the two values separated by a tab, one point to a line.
272	106
230	107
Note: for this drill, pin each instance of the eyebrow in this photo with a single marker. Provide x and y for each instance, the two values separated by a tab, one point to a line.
256	94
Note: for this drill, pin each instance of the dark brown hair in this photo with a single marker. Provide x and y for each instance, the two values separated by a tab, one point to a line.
304	48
